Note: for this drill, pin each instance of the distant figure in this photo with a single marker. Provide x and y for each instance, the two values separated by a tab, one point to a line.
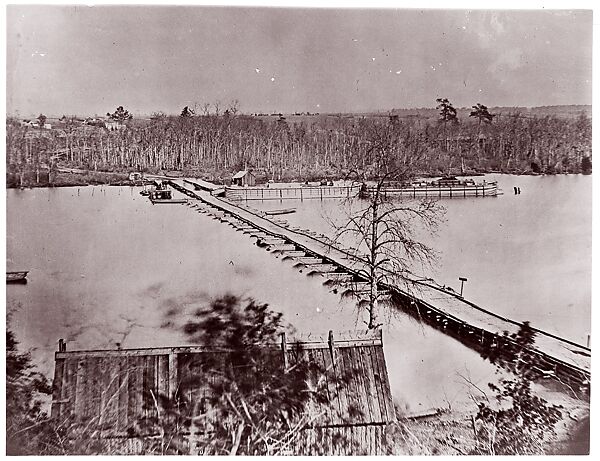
515	188
518	190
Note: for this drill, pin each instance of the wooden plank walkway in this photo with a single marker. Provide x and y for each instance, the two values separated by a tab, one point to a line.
423	296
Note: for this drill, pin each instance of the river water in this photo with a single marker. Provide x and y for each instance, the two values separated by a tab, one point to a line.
106	266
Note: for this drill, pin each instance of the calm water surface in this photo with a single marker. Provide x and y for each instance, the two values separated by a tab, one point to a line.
106	265
527	256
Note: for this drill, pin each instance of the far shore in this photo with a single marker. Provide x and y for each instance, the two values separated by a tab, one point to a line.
83	178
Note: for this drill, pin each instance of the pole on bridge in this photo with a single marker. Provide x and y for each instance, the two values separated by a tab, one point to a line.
462	282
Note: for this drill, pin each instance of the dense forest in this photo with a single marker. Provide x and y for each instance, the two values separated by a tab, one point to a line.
214	145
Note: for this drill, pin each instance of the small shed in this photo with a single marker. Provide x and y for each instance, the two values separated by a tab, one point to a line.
243	178
114	391
113	125
135	176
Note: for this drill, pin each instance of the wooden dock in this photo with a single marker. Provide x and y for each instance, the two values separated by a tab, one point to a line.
115	393
445	310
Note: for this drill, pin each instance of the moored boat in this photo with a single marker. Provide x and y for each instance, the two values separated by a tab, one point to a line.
16	277
291	192
446	187
282	211
164	196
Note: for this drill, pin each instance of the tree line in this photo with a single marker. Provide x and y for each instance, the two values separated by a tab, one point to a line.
216	144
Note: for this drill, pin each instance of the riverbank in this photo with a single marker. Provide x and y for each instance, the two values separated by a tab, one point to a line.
451	431
67	179
74	177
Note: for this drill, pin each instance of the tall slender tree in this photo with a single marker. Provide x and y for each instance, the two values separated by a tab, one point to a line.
120	115
482	113
187	112
386	227
447	114
41	120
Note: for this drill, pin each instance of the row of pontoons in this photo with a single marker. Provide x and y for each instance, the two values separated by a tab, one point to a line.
340	281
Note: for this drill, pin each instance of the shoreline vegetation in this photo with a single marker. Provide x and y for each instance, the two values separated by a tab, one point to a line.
215	145
109	178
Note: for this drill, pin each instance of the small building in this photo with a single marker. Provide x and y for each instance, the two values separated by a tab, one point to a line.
243	178
115	393
113	125
135	176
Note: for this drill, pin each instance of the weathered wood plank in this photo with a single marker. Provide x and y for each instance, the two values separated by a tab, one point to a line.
70	395
110	400
163	375
346	390
370	387
57	389
80	394
377	381
334	409
123	397
385	382
361	384
147	403
132	392
173	374
378	371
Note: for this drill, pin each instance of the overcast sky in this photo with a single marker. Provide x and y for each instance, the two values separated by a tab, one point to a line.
88	60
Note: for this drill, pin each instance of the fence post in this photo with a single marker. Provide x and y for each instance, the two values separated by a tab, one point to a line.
331	344
172	373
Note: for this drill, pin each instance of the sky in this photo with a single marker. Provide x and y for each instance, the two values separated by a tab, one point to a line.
88	60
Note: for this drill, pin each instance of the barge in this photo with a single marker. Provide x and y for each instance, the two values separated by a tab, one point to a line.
164	196
446	187
297	192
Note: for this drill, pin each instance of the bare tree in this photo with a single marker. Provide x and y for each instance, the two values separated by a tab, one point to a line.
234	107
387	227
205	108
217	106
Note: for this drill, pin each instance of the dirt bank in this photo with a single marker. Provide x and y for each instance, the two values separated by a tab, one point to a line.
451	431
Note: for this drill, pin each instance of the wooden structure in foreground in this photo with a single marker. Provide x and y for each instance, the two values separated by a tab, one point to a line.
115	391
